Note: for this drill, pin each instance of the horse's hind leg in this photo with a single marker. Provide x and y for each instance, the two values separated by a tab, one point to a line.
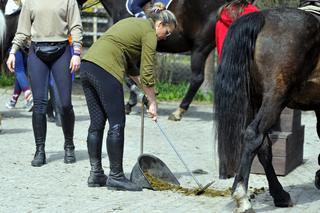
267	116
198	60
281	198
317	176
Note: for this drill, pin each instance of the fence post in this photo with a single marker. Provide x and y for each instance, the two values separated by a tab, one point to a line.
95	28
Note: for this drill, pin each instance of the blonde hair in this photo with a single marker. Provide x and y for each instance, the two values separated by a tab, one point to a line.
158	12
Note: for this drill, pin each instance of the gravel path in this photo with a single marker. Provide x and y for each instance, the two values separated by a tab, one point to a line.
57	187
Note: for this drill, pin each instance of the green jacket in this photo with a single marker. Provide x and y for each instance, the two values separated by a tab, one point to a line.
124	43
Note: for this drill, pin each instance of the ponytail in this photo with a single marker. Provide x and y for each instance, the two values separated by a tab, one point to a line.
158	12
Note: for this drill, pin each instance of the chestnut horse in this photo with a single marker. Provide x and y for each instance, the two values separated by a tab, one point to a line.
195	33
270	60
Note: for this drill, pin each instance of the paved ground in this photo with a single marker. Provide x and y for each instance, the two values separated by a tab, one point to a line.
57	187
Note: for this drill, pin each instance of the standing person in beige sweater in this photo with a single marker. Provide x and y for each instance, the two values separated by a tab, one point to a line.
48	23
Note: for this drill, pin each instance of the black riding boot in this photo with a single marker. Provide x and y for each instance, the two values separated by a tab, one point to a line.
39	124
97	177
67	121
116	179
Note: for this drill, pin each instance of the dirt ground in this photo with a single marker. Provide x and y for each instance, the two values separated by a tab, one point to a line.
57	187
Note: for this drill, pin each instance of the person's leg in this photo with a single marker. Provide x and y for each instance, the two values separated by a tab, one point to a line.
110	92
22	79
63	82
50	115
137	8
14	98
97	123
111	99
53	103
39	76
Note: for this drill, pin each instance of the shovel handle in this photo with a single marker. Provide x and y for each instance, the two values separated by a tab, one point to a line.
142	129
174	149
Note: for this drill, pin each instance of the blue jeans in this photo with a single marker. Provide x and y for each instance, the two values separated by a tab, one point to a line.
21	83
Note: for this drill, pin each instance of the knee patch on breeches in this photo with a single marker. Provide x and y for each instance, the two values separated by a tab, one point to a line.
116	130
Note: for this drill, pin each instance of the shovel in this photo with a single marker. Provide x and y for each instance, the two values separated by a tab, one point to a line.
201	188
151	165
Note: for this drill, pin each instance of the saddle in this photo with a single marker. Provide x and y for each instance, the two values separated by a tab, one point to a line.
312	6
129	4
304	3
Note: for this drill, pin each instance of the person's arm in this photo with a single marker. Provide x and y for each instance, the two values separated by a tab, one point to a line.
147	79
75	26
24	28
76	31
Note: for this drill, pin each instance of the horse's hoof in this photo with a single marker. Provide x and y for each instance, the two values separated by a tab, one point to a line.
283	200
317	179
238	210
225	176
177	115
172	117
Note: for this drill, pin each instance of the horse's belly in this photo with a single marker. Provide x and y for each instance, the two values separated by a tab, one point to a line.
309	94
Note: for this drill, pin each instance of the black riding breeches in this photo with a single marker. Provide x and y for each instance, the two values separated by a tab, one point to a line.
39	73
104	96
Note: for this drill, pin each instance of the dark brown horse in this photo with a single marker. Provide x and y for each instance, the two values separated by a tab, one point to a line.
8	34
270	60
2	28
195	33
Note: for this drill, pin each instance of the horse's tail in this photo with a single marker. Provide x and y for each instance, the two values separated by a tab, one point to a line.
232	90
2	27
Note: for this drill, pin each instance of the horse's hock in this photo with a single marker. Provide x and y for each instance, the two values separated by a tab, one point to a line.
287	144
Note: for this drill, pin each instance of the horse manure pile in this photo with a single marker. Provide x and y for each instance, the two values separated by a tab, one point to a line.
160	185
256	191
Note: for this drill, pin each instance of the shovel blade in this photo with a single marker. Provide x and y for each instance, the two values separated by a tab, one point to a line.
203	189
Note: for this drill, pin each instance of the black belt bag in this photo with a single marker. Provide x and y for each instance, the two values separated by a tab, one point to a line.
49	51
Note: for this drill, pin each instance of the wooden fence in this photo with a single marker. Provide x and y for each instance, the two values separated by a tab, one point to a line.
94	25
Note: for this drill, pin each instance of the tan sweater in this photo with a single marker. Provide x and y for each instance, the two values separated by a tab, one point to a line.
48	21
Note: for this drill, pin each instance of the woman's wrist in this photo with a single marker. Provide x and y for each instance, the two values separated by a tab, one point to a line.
76	49
12	52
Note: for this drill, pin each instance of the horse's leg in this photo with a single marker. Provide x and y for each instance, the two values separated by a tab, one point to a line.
198	59
281	198
131	102
267	116
317	176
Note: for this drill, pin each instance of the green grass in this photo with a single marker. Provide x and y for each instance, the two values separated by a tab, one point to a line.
176	92
167	91
6	79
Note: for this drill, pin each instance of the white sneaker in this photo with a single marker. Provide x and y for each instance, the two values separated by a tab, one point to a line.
11	104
